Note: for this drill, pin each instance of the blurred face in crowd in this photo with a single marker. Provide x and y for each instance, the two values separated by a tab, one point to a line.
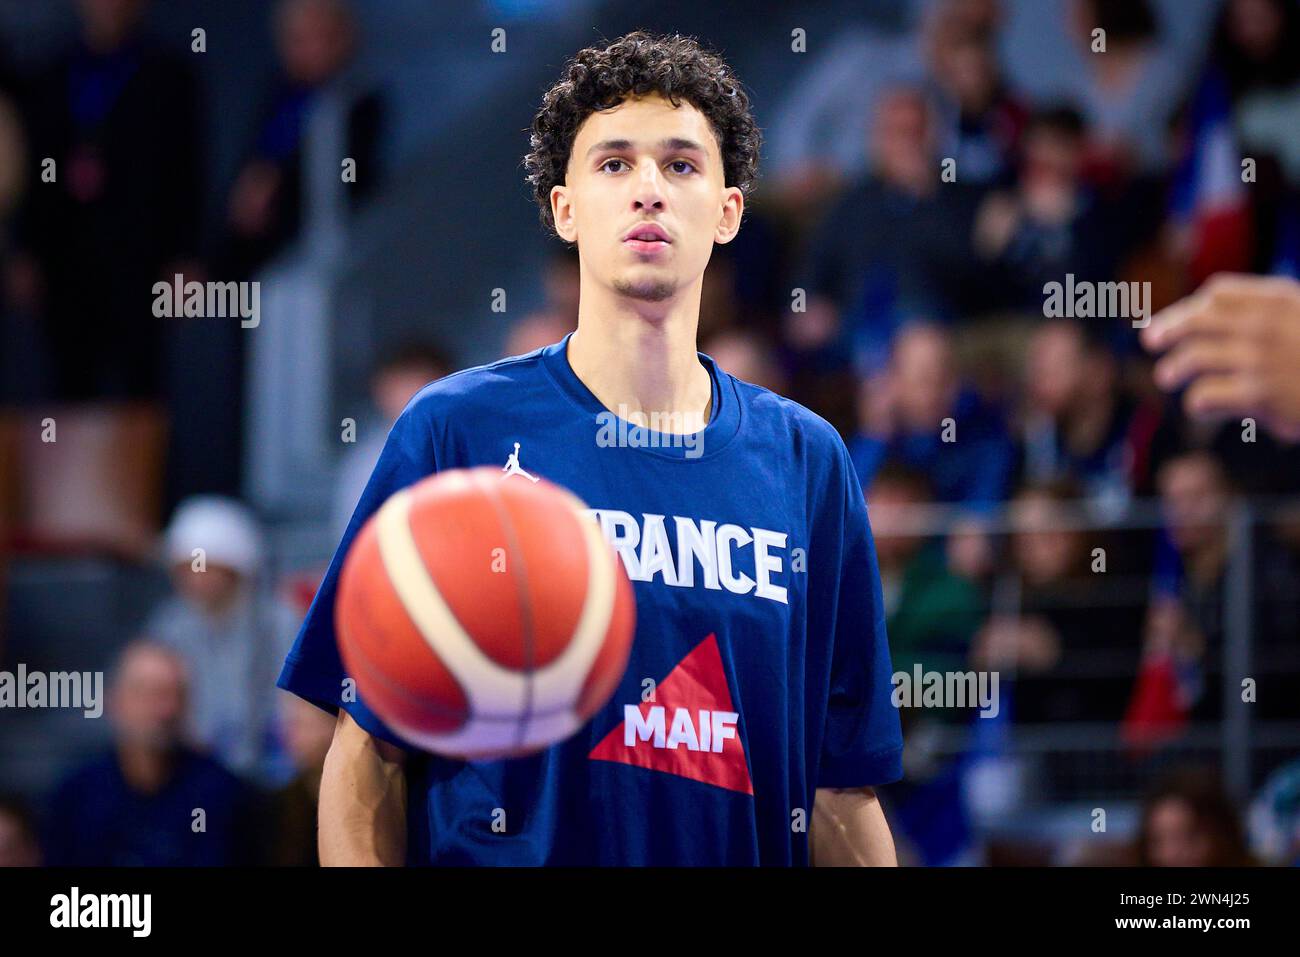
536	330
974	16
1194	497
1176	837
1255	27
1044	552
902	140
148	698
212	590
314	39
966	68
308	731
17	844
1064	375
1053	157
394	387
108	22
745	357
644	198
1054	368
887	500
924	379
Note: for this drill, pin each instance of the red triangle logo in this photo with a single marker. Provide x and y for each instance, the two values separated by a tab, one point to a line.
690	729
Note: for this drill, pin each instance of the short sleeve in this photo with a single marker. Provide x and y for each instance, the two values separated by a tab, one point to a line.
862	744
313	669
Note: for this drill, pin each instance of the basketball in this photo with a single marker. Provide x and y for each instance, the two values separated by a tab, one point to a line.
482	614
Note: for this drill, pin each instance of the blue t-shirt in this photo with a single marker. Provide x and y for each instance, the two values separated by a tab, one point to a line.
760	628
97	819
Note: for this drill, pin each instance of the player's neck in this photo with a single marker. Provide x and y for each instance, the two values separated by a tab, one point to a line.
640	358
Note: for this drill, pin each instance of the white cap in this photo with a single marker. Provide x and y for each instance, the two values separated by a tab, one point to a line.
224	528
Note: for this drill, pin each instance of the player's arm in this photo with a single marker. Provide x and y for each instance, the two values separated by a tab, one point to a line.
362	800
849	830
862	740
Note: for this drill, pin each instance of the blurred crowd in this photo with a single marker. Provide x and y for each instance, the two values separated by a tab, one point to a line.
891	276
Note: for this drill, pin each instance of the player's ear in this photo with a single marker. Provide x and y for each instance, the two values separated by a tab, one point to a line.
733	207
562	213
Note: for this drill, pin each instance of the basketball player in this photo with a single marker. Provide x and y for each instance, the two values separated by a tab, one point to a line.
755	709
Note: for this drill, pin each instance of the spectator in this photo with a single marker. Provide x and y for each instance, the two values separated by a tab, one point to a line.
1080	423
919	413
746	356
1070	649
121	121
823	117
1050	223
151	801
1128	90
231	634
931	614
1196	498
309	731
1274	817
1242	106
19	846
534	331
316	42
981	121
889	245
1188	821
22	355
395	380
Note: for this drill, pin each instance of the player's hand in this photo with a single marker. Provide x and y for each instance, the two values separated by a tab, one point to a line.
1235	345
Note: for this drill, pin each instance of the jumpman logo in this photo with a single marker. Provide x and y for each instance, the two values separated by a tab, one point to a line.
512	466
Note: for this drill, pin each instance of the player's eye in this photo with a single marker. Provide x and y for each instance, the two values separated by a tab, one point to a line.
605	165
676	166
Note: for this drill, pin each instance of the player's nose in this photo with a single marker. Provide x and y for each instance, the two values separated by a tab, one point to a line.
648	191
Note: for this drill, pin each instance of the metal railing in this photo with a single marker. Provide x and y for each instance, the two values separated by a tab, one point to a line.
1239	738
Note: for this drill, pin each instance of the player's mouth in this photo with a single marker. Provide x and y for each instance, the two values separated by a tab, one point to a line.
647	238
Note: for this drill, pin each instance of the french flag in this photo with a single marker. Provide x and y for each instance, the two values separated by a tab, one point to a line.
1209	196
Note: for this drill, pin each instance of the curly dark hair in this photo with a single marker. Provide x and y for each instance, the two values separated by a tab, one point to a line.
637	64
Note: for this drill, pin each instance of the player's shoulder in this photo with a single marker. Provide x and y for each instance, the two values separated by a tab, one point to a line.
768	410
482	387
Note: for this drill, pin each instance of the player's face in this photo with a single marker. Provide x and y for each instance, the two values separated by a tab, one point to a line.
644	198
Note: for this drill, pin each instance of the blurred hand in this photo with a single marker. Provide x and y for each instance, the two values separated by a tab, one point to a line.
252	200
1028	644
995	224
1235	345
1169	632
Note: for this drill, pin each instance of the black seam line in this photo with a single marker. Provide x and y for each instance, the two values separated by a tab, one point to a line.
525	608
